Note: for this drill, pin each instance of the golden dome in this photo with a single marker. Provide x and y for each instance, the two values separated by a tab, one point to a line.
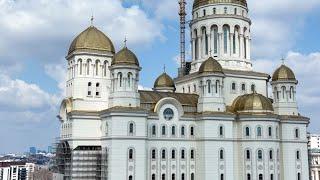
125	57
198	3
164	81
91	40
283	73
210	66
252	103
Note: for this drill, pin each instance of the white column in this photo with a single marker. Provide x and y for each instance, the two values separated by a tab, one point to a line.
209	45
193	43
199	47
249	48
231	44
220	44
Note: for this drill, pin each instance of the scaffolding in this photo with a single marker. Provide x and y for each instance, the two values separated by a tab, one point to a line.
83	162
182	14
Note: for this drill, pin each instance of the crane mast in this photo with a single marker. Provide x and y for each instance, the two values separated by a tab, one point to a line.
182	14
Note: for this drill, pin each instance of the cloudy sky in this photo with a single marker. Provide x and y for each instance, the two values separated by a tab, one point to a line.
35	36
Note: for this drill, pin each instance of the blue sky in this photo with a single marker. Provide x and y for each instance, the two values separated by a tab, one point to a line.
35	36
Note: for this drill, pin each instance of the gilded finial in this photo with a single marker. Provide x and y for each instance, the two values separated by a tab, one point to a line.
92	19
125	41
164	68
282	60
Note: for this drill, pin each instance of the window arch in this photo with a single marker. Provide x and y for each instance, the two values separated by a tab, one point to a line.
173	176
209	86
226	31
192	131
182	132
221	176
248	154
298	155
283	89
183	154
299	176
119	79
163	130
130	79
233	86
296	133
163	154
98	89
270	131
253	88
163	177
105	66
130	177
154	130
192	155
131	128
88	66
204	12
89	89
173	154
248	176
214	10
205	39
243	87
260	154
271	154
153	177
260	177
182	176
80	66
97	67
192	176
217	86
173	130
215	39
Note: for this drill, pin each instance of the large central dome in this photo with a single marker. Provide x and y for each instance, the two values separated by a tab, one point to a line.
198	3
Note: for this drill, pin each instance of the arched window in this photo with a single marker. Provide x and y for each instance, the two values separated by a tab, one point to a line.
106	128
163	130
225	38
299	176
196	46
253	88
214	10
153	154
163	177
192	154
153	177
192	176
194	88
191	131
271	176
189	89
215	39
260	177
129	79
221	154
182	131
271	155
130	154
88	66
120	79
80	66
183	89
204	12
247	131
98	89
276	93
130	177
173	130
235	11
182	176
163	154
97	67
234	45
298	155
182	154
225	10
248	154
89	89
173	177
233	86
296	132
270	131
260	155
291	92
217	86
248	177
259	131
209	86
205	38
173	154
221	177
283	92
131	128
154	130
105	66
243	87
221	133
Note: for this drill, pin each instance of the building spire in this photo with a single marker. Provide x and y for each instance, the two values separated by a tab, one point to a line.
91	20
125	41
164	68
282	60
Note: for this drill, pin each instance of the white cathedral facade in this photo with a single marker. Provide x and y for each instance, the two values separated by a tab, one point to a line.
215	122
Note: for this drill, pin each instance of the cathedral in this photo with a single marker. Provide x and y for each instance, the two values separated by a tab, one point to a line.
216	120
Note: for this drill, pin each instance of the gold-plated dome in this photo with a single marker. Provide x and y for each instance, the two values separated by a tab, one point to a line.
283	73
163	81
91	40
252	103
198	3
125	57
210	66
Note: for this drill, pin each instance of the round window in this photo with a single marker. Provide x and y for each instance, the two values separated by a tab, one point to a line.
168	114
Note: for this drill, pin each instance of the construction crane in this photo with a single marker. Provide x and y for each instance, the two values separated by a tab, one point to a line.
182	14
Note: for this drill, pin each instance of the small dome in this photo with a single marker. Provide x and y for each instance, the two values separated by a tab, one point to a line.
198	3
164	81
283	73
252	103
125	57
210	66
91	40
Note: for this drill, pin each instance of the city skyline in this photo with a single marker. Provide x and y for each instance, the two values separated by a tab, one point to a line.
32	82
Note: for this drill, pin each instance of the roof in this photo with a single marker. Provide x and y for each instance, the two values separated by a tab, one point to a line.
283	73
210	66
198	3
164	80
148	99
252	103
125	57
91	40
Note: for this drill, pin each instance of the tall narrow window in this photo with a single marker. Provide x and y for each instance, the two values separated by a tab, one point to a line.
234	43
260	177
221	154
299	176
209	86
131	128
153	177
291	92
247	131
192	154
194	88
204	12
206	39
225	38
182	176
105	66
130	177
173	154
88	66
225	10
248	177
182	154
243	87
154	131
120	79
182	131
192	176
253	88
217	86
129	79
173	130
130	154
260	156
80	66
89	89
296	133
214	11
221	133
233	86
235	11
196	46
163	130
298	155
283	92
259	131
245	47
153	154
271	176
215	42
248	154
173	177
270	155
163	177
98	89
97	67
163	154
191	131
221	177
